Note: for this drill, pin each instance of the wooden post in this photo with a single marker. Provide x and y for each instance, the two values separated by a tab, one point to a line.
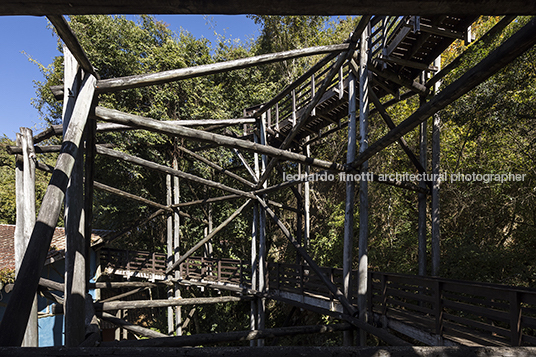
25	203
176	242
254	264
363	188
75	257
349	203
170	255
18	309
436	150
421	227
307	202
262	235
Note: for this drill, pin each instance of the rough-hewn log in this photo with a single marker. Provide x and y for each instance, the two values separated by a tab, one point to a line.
69	38
276	7
130	327
123	295
52	285
16	315
199	135
138	304
212	338
207	238
516	45
118	192
143	80
270	351
165	169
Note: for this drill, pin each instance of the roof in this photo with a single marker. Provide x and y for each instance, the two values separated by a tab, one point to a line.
55	253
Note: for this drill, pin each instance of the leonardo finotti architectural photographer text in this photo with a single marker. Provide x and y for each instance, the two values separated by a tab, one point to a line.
408	177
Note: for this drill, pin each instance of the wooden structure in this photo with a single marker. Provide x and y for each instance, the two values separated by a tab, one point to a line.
385	55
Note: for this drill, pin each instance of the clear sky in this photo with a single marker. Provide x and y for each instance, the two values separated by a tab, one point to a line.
22	37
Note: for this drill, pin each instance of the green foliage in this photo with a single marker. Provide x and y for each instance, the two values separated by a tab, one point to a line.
7	276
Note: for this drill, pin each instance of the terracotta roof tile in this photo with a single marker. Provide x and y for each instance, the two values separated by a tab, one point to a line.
57	245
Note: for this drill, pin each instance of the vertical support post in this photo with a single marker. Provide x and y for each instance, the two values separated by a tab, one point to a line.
313	92
299	217
254	234
170	254
91	152
262	235
515	319
349	204
176	241
25	202
75	259
421	227
363	188
436	149
307	201
293	107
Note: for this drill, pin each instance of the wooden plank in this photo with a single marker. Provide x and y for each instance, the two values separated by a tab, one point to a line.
516	45
17	312
143	80
199	135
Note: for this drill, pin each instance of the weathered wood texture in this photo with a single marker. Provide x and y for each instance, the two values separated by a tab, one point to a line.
212	338
16	315
138	304
199	135
516	45
129	326
269	351
143	80
276	7
69	38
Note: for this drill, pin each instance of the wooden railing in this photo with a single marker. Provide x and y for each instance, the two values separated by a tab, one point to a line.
487	314
478	312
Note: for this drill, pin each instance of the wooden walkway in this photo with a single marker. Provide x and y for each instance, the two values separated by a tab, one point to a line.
434	311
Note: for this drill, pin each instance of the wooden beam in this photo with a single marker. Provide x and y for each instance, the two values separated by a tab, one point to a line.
212	338
115	191
199	135
276	7
143	80
123	295
138	330
398	79
16	314
69	38
139	304
391	125
515	46
165	169
208	237
442	31
408	63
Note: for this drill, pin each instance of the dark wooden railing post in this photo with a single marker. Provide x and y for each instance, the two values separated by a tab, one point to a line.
153	263
302	288
128	259
515	318
369	293
383	281
438	308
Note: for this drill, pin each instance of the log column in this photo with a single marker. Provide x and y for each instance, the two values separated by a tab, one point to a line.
25	221
261	307
421	205
363	186
349	205
436	146
75	252
176	242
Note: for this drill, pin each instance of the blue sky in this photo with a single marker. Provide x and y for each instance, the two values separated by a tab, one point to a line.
22	37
